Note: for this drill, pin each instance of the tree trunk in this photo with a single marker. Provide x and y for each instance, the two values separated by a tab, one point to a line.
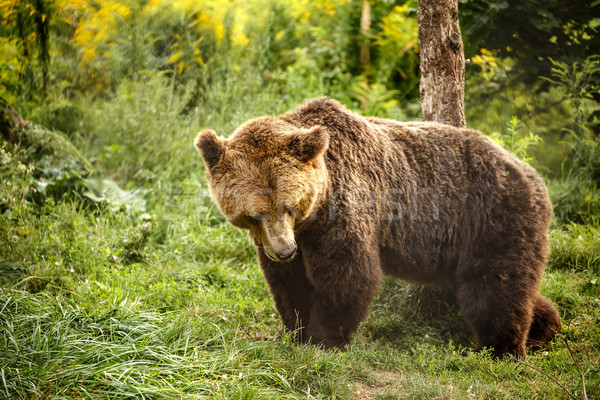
365	26
10	120
42	29
364	56
442	84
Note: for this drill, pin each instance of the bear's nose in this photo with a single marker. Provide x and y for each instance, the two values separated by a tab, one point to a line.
287	254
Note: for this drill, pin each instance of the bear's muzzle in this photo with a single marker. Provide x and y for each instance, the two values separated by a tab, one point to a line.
278	238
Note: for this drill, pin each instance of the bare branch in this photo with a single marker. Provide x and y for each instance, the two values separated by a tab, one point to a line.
581	374
594	389
549	377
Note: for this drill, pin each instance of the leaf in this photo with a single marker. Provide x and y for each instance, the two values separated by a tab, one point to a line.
107	190
174	58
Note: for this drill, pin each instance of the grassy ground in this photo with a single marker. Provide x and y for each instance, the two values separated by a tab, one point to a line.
119	279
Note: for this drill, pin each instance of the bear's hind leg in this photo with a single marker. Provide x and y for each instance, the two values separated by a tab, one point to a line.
545	324
499	315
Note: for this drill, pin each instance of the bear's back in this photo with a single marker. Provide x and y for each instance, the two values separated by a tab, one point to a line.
462	188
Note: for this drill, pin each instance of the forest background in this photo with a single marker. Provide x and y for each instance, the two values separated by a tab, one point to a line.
119	278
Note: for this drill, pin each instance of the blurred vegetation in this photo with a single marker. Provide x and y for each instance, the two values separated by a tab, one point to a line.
119	278
530	33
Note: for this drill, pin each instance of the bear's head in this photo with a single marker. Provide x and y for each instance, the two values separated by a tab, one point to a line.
267	178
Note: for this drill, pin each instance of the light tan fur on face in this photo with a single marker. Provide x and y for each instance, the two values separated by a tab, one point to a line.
278	237
268	188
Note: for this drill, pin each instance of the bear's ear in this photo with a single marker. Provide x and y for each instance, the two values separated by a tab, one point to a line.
210	146
308	144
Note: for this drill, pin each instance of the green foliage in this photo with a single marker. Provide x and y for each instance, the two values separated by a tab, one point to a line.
530	33
43	145
17	180
48	165
576	193
574	200
112	43
12	86
62	116
30	20
564	120
375	99
583	135
517	143
397	51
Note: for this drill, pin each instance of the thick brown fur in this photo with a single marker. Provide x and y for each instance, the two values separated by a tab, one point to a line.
334	200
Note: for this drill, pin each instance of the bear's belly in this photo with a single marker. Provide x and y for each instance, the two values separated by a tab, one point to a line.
416	267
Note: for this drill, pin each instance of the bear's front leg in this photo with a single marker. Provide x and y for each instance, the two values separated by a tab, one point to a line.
291	291
345	283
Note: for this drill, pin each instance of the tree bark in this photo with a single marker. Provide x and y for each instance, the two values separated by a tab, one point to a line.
10	120
442	67
364	56
365	26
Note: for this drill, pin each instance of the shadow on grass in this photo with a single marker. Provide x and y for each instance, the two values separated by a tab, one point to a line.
404	314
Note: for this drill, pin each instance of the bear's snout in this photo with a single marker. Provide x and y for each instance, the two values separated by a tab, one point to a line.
287	254
278	238
281	248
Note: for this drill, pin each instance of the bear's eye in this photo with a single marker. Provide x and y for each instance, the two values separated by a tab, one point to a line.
294	213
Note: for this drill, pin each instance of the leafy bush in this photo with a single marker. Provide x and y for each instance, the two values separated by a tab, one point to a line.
582	134
39	163
17	179
63	116
397	51
576	194
563	141
518	143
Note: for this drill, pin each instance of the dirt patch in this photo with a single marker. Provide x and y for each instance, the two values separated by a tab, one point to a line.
378	384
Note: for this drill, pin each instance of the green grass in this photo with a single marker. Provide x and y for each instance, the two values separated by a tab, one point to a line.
576	247
108	300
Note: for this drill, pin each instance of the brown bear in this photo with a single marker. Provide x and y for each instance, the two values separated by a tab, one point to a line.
333	200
